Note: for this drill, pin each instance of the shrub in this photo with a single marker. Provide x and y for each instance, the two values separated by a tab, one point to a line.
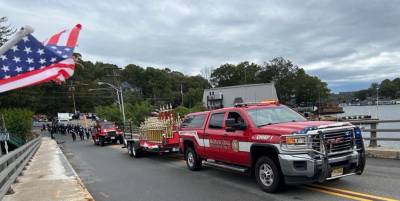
18	122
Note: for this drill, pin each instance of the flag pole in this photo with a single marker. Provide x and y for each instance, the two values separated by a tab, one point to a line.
16	38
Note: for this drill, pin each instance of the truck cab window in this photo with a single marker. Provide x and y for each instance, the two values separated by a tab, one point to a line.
196	121
216	120
238	118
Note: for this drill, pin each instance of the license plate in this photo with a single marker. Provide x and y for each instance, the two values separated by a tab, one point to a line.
112	138
337	172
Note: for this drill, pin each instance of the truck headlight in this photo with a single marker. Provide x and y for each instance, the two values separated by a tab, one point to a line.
295	140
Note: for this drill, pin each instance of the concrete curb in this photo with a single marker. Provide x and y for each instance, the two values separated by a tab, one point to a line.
383	153
88	196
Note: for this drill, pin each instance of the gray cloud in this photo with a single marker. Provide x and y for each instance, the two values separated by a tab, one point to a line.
346	43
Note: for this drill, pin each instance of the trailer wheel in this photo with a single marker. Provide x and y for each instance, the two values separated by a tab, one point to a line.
133	152
268	175
130	149
193	162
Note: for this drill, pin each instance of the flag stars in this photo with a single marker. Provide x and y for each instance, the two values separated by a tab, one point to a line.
31	68
18	69
15	48
27	50
29	60
5	68
65	56
42	61
16	59
53	59
25	39
40	51
59	52
3	57
6	77
67	49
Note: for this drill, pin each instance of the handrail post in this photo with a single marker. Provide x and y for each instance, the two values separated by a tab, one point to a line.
373	142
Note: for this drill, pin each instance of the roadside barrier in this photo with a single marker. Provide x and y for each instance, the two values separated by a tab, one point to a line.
373	139
12	164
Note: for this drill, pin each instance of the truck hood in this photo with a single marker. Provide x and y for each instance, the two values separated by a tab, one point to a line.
293	127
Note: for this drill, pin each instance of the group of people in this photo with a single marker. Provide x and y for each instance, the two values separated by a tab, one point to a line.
73	130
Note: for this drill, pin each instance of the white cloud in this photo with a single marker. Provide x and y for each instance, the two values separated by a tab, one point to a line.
326	38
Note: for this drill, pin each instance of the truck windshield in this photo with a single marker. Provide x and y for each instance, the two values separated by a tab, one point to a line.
273	115
107	125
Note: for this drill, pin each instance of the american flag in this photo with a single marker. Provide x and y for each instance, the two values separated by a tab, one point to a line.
30	62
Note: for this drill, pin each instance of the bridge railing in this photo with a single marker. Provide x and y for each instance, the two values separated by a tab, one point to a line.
12	164
373	139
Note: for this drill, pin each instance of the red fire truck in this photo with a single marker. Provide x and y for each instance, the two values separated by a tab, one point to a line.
272	142
106	132
155	134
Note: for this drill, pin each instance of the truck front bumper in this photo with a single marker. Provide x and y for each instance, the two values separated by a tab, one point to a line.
303	168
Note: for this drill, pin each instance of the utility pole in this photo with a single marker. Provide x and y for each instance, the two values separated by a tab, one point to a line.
72	89
377	102
182	94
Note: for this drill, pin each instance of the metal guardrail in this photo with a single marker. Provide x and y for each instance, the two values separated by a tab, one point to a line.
373	139
12	164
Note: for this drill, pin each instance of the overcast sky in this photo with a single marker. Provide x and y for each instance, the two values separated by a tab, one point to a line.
348	44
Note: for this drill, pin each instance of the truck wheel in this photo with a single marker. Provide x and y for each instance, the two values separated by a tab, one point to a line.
101	142
192	160
268	175
133	152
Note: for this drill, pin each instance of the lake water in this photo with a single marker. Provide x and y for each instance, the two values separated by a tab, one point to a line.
384	112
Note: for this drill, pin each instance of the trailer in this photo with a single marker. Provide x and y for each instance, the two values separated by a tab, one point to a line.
156	134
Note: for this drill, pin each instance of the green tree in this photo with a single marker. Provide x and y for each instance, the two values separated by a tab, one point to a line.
387	89
18	121
5	30
193	97
109	113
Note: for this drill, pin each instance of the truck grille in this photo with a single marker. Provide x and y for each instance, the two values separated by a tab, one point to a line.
336	142
111	133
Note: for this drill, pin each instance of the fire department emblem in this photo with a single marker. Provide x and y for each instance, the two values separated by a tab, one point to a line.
235	145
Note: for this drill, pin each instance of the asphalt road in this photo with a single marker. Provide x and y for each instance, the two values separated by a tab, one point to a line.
110	174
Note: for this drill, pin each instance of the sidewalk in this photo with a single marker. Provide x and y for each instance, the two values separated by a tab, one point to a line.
49	177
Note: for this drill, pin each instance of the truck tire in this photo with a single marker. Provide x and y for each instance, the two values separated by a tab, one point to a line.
268	175
101	141
193	161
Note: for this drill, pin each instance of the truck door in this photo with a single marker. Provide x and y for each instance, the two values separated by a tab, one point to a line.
237	140
214	136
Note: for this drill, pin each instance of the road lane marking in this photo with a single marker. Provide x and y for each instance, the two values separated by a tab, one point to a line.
336	194
338	190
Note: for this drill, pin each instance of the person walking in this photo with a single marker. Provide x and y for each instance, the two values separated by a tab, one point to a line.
73	134
81	133
52	131
87	133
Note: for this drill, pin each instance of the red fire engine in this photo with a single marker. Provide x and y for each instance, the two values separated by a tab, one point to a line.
155	134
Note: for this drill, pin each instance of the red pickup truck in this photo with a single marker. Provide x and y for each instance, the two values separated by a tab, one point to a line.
106	132
272	142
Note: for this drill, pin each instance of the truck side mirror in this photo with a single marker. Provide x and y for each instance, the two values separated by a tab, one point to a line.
231	125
